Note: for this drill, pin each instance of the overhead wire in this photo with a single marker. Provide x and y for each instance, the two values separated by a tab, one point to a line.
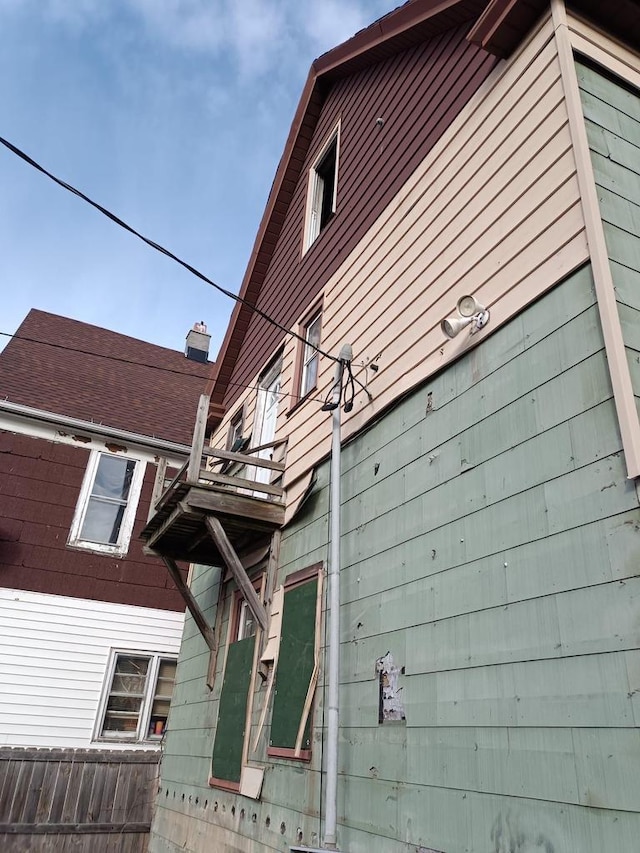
119	359
159	248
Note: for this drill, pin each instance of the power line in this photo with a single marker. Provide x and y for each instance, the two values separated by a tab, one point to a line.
158	247
119	359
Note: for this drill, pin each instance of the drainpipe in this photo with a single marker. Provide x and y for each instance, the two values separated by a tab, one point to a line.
333	674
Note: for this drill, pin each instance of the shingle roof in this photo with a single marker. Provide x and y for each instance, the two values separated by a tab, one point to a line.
58	365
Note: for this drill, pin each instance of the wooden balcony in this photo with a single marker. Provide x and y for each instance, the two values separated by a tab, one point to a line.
216	483
215	510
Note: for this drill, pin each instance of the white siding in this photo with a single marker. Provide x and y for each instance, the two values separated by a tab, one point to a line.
53	658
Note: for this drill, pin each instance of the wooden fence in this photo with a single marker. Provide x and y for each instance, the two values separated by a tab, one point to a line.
76	800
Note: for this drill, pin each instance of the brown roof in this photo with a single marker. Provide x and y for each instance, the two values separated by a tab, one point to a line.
71	368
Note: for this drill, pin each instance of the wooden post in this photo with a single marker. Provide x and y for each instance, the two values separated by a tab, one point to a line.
158	485
195	460
236	568
192	605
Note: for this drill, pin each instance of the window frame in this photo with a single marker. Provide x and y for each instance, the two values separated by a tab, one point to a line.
140	736
308	358
313	226
296	579
310	316
121	547
236	428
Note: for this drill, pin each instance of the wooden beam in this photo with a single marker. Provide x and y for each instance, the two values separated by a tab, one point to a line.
179	474
241	483
195	460
222	502
244	458
158	485
232	561
192	605
166	525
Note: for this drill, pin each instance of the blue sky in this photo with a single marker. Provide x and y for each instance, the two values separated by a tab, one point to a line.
171	113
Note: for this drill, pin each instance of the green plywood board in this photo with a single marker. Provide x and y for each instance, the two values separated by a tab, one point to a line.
227	748
295	665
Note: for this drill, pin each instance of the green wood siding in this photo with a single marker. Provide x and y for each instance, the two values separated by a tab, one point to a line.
491	542
612	116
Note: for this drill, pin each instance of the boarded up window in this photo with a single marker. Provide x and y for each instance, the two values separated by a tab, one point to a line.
229	741
296	664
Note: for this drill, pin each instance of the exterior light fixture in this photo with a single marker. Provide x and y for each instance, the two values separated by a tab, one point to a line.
470	313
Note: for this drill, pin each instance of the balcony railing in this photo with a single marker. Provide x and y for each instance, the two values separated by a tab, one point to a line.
242	490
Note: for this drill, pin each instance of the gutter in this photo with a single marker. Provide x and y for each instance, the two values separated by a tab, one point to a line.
94	429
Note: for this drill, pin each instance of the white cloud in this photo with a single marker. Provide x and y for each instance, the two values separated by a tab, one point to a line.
190	24
329	22
258	34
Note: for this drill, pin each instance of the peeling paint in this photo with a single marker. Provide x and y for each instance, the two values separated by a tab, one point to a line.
83	439
391	706
115	448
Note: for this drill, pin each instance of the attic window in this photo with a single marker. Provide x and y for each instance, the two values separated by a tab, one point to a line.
323	185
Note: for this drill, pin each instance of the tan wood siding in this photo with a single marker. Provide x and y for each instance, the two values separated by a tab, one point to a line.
493	210
418	93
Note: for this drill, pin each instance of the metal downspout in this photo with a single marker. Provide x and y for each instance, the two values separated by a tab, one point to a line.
333	674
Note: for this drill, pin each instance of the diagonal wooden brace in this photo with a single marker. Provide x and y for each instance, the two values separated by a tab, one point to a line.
192	605
232	561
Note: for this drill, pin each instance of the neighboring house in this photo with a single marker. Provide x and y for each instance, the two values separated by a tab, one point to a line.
90	626
489	574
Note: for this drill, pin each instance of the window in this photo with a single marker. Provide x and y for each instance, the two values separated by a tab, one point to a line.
136	705
106	509
310	355
235	439
323	184
297	667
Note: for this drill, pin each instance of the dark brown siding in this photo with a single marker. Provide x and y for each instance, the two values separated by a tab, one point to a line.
418	93
39	486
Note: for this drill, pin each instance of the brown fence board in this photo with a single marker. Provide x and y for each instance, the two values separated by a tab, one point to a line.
76	801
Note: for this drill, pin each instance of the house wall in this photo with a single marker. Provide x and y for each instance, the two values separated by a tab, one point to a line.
417	93
54	652
612	116
490	543
493	209
40	483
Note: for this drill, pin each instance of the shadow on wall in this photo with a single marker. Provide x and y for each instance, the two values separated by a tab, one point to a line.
511	835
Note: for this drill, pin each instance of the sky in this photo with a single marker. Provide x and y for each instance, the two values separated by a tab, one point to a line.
172	114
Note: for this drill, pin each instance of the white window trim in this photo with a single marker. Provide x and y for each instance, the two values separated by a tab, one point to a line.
311	224
307	357
140	735
126	528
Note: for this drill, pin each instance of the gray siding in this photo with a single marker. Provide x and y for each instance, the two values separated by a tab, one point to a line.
491	544
612	115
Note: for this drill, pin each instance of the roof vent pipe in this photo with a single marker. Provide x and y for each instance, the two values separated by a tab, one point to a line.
197	346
